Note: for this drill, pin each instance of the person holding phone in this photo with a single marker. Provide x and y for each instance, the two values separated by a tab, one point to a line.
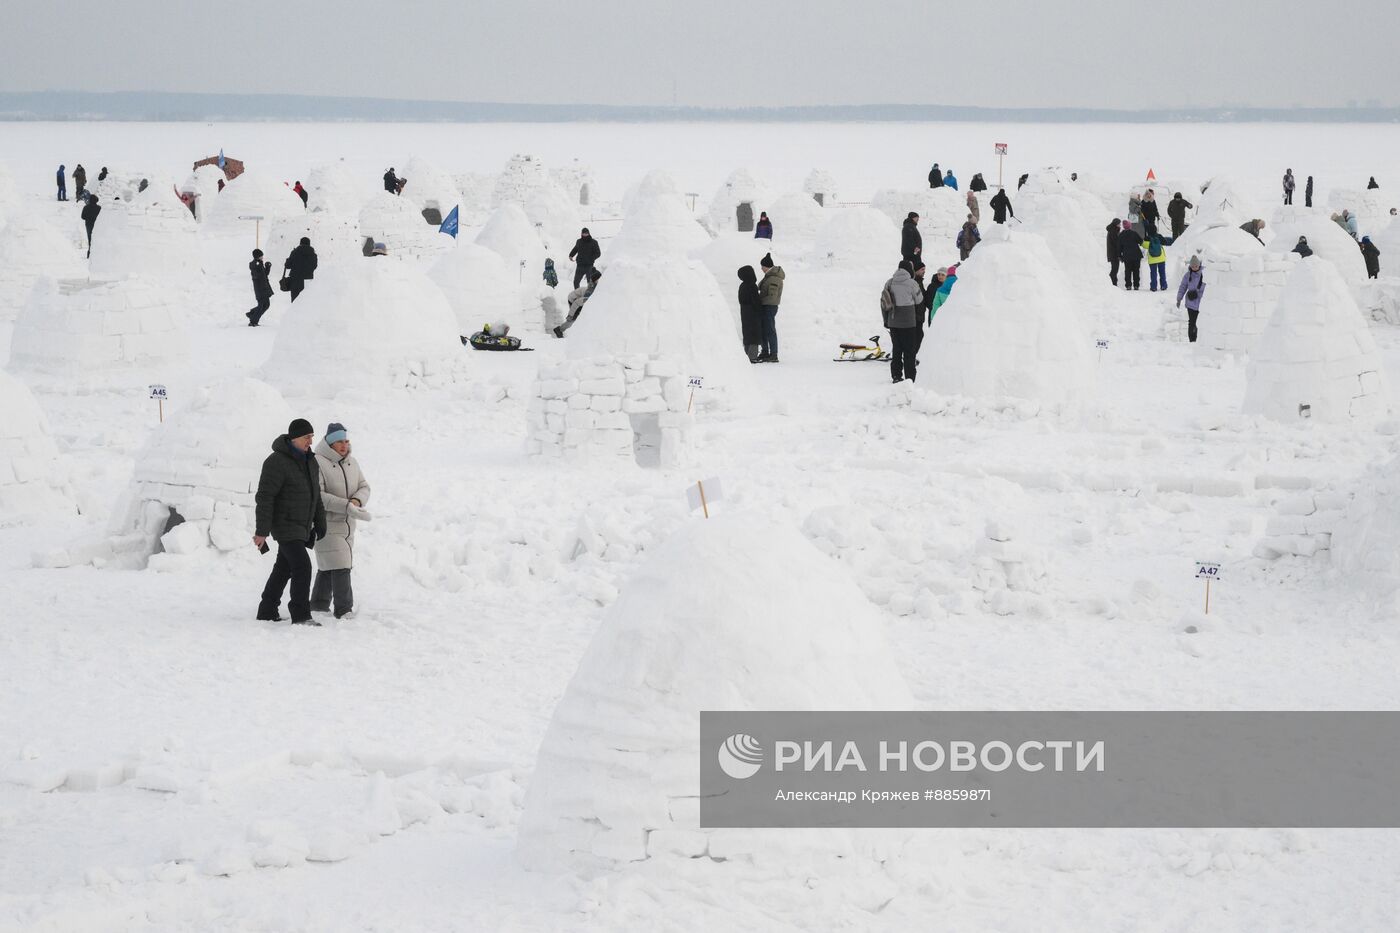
290	511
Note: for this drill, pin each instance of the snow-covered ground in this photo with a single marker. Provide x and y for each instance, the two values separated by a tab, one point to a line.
168	763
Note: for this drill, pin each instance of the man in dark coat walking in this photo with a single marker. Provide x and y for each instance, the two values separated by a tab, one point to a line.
1307	193
1130	253
290	511
1001	206
90	211
1114	254
911	241
1176	210
80	180
585	253
262	288
935	176
300	266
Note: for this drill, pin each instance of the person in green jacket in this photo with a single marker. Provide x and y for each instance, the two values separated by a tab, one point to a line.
290	511
1156	260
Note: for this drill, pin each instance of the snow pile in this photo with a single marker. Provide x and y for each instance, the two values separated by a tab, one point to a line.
249	195
795	216
1060	220
479	286
398	223
32	478
332	187
428	187
728	614
553	214
821	187
519	180
194	483
334	236
576	181
1243	285
942	211
32	248
1317	351
657	224
371	326
1010	328
737	203
509	234
1327	241
76	329
855	238
154	236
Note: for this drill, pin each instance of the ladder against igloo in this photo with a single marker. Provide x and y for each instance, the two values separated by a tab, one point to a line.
1316	358
33	478
728	614
192	491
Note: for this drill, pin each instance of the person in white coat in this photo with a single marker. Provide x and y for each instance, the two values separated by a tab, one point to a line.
344	492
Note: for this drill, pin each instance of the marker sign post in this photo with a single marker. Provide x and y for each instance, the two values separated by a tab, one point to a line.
1207	571
696	382
703	493
257	228
160	395
1101	345
1000	150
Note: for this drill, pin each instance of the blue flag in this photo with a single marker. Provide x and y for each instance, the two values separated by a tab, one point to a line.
221	158
449	226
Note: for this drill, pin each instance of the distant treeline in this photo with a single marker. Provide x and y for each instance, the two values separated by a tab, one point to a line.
160	106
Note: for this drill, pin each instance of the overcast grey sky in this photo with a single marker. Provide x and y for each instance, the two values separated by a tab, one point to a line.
1014	53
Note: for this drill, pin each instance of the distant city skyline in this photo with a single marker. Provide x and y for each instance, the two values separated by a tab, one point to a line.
724	54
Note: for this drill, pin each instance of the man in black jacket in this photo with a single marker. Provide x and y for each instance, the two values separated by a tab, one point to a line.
1176	210
90	211
1113	253
1130	252
391	181
290	511
262	288
911	241
300	266
935	176
1001	206
586	252
1307	193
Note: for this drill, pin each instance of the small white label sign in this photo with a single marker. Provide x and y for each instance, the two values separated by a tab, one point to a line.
1101	344
159	392
697	382
1205	570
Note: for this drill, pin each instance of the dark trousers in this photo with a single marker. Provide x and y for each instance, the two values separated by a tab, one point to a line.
1307	199
332	585
264	302
294	564
1157	275
89	232
62	193
1191	324
1113	270
297	286
1178	228
770	332
580	271
1287	197
1132	273
904	351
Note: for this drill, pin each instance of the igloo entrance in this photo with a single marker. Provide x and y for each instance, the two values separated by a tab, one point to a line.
744	215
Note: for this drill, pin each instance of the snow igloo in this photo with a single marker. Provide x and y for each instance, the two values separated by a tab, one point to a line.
737	203
657	218
479	286
1316	357
31	248
856	238
80	330
398	223
1327	241
1243	285
1060	220
519	180
250	195
1010	329
576	180
510	234
370	327
942	212
795	216
728	614
153	235
820	186
335	237
194	485
33	480
332	187
430	189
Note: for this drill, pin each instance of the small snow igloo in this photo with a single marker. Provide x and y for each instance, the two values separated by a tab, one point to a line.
193	488
1060	220
31	248
1243	285
738	203
81	330
1010	329
519	180
479	286
795	216
656	222
727	614
576	180
335	237
231	212
1316	357
33	481
856	238
510	234
430	189
332	187
372	326
552	213
820	186
1326	240
153	235
942	212
397	222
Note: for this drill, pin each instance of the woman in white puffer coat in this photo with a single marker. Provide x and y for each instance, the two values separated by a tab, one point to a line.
344	492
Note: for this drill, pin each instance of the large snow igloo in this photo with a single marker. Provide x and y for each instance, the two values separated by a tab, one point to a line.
738	203
1010	329
397	222
252	194
373	326
33	481
1243	285
31	249
153	235
727	614
193	488
479	285
80	330
1316	357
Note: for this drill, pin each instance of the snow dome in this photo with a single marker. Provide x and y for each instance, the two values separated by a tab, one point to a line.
32	477
724	255
32	248
249	195
1060	220
820	186
795	216
429	188
479	285
75	329
1243	284
521	178
552	213
374	325
194	483
658	223
509	234
1371	210
398	223
335	237
576	181
942	211
1010	328
1316	351
856	237
153	235
1327	241
737	203
728	614
333	187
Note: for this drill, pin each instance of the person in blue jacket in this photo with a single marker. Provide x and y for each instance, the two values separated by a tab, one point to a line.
62	185
950	180
944	291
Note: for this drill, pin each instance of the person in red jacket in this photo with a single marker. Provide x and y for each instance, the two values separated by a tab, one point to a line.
301	193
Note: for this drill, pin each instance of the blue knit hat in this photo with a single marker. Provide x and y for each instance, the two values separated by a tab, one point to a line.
335	431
